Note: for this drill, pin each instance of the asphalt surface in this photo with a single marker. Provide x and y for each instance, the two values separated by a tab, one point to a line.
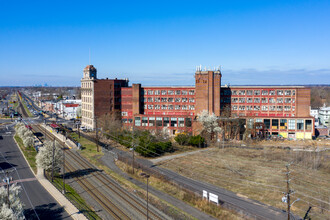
38	203
250	208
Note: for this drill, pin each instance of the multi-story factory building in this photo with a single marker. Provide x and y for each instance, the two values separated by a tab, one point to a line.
284	110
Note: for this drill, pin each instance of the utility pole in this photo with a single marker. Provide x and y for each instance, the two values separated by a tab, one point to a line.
7	180
96	136
306	215
53	160
288	191
64	169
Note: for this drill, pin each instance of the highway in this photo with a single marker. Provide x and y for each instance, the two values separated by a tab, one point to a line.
38	203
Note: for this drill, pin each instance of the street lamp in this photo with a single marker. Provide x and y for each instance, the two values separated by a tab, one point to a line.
147	176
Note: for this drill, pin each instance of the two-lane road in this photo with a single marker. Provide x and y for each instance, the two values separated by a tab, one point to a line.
38	203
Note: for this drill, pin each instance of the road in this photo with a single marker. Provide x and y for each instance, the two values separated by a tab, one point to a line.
37	201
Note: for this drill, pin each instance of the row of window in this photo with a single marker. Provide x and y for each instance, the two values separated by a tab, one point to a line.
86	85
283	124
86	99
263	108
158	99
263	100
163	121
258	92
86	114
170	107
86	106
170	92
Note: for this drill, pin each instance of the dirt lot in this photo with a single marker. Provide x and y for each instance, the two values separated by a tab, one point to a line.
261	175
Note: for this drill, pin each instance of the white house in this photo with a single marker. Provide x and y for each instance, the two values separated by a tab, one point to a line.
324	115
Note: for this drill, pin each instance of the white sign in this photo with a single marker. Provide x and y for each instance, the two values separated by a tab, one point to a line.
213	198
285	199
205	194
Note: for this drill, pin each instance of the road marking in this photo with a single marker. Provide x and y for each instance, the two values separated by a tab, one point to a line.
20	181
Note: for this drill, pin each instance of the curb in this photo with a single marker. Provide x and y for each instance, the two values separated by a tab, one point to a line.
75	215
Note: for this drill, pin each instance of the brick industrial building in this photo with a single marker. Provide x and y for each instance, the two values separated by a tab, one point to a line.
283	110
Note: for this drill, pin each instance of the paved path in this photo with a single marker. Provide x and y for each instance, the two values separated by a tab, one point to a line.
60	198
161	159
108	160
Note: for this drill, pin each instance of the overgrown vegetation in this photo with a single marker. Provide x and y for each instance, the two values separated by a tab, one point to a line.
185	139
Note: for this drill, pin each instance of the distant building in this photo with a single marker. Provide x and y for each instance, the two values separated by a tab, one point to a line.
284	110
324	115
314	112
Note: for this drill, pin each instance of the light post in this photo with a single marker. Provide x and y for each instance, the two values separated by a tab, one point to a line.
147	176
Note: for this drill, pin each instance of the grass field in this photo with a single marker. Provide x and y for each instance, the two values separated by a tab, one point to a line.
29	153
260	175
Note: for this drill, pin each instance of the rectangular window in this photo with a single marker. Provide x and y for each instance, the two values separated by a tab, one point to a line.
287	108
150	92
241	92
264	92
177	107
174	122
170	99
272	108
258	119
177	99
191	107
150	99
157	99
279	100
256	108
264	100
184	92
249	107
293	92
157	106
234	100
308	125
188	122
292	124
226	92
150	106
300	124
264	108
272	92
157	92
271	100
166	121
279	92
241	100
287	100
283	124
287	92
164	99
163	92
267	123
181	122
191	100
256	100
234	107
184	107
151	121
234	92
256	92
242	107
124	114
164	107
191	92
249	92
159	121
184	99
170	92
144	121
279	108
275	124
177	92
249	100
170	107
137	121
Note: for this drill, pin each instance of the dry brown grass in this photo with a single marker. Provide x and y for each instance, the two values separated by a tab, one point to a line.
188	197
260	175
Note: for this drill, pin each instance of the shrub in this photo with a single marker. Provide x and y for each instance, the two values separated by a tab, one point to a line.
182	139
197	141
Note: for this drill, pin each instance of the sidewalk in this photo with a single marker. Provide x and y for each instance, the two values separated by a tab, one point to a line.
59	197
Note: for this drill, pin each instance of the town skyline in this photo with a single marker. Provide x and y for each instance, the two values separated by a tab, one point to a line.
256	43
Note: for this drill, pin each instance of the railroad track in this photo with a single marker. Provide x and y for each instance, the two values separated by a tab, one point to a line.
111	186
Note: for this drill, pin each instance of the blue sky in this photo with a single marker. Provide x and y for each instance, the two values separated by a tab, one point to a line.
162	42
